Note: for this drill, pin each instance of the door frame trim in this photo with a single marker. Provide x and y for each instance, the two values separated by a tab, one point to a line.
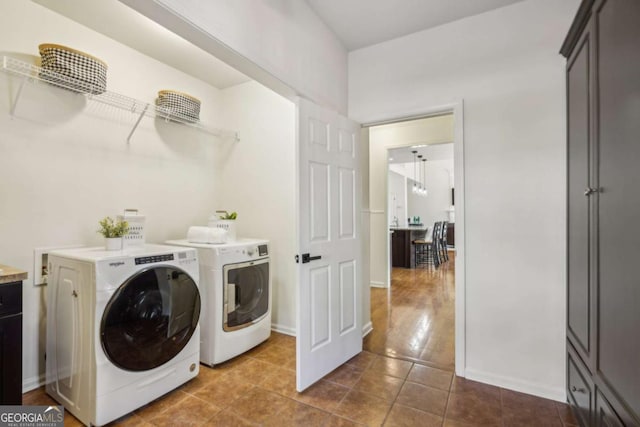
457	109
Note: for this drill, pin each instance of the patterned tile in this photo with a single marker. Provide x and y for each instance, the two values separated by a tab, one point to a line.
393	367
346	375
474	409
424	398
298	414
323	395
258	405
430	376
188	412
281	381
383	386
363	408
404	416
223	391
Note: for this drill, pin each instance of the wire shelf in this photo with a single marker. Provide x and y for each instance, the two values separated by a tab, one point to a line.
35	74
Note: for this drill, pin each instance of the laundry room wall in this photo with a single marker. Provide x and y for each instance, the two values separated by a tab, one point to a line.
259	182
65	163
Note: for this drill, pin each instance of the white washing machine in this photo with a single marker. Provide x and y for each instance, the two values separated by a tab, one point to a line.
235	283
122	327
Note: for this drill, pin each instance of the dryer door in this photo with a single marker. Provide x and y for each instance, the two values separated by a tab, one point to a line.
150	318
246	293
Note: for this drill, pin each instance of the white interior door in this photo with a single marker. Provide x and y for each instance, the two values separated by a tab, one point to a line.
329	330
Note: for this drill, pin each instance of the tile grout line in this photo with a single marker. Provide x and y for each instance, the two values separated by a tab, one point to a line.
446	406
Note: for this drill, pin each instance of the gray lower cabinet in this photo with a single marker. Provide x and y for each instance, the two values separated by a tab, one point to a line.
11	343
603	207
580	388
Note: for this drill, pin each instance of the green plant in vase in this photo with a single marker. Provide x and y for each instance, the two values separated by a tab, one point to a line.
227	215
113	231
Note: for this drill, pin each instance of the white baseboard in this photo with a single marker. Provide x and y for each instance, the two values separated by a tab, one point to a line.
283	329
366	329
540	390
375	284
33	383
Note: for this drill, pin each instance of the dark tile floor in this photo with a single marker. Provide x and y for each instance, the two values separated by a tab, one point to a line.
409	383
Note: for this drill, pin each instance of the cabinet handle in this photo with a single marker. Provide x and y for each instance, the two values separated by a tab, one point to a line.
589	191
577	390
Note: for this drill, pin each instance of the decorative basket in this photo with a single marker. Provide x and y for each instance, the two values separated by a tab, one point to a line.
135	237
72	69
226	224
179	105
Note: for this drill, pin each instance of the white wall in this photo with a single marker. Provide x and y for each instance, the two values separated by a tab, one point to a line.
258	181
397	198
285	39
435	206
506	67
64	165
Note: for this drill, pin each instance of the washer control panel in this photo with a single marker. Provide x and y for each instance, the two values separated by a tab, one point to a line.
154	258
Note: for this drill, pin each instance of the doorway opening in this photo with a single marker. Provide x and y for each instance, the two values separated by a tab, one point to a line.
416	182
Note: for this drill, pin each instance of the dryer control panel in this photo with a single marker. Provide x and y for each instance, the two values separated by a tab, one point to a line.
258	250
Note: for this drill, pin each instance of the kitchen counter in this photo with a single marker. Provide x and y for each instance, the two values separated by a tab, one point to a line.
410	228
10	274
402	248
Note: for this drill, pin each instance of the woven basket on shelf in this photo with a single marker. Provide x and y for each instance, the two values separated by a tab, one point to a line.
72	69
178	104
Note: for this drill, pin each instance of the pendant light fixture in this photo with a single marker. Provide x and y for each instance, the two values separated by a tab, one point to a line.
420	174
424	177
415	174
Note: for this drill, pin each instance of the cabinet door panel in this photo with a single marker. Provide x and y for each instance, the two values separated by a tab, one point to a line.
578	165
579	387
619	199
605	415
11	360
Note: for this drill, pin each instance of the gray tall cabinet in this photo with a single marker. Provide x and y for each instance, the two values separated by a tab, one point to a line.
603	201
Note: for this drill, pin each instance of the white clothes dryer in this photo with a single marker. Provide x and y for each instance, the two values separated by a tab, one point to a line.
122	327
235	283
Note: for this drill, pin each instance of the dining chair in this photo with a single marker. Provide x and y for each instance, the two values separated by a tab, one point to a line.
425	249
443	241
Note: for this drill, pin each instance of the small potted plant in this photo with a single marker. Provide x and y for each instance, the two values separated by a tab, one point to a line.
113	232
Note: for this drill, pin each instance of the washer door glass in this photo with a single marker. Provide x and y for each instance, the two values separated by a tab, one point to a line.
246	293
150	318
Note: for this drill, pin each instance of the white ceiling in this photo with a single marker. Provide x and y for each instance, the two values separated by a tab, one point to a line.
360	23
429	152
357	23
125	25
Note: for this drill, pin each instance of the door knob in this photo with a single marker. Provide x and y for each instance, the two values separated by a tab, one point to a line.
589	191
307	258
